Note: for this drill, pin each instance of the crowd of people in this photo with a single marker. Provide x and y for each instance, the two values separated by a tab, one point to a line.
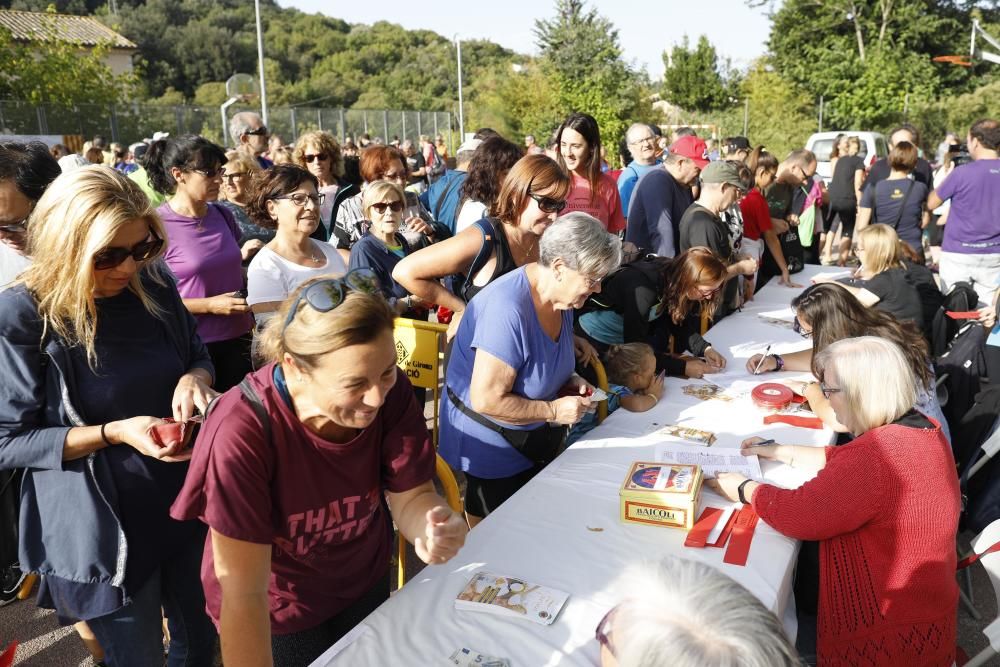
249	296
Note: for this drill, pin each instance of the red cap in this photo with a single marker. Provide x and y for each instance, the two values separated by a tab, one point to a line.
693	149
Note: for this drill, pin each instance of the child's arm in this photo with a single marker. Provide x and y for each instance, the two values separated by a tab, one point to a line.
638	402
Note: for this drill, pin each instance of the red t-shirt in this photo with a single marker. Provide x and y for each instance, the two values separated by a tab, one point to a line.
319	504
756	215
606	206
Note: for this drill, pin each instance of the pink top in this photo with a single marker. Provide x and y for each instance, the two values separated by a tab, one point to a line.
606	206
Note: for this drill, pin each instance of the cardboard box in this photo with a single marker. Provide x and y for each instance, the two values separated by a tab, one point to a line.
661	494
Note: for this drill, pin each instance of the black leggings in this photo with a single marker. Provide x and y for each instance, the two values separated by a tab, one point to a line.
482	496
302	648
231	359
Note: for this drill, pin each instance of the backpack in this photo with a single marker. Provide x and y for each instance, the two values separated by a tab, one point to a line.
458	284
962	298
982	492
959	370
435	166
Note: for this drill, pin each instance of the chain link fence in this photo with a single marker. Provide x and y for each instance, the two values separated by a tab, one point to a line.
133	122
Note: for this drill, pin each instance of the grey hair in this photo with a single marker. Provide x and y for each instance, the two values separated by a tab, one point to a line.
634	129
684	613
239	124
582	243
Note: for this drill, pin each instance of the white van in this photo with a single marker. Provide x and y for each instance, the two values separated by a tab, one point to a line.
873	147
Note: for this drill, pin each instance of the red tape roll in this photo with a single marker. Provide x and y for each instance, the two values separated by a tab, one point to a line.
772	396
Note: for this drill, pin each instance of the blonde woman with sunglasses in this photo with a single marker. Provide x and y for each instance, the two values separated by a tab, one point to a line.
301	472
96	349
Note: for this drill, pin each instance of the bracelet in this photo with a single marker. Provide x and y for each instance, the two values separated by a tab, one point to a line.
739	491
779	362
104	437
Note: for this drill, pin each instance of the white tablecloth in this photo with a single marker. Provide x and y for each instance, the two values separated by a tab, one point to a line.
562	530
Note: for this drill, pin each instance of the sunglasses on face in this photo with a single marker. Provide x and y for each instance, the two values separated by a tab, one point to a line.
300	198
325	295
827	390
548	204
109	258
15	227
259	132
231	177
318	156
394	206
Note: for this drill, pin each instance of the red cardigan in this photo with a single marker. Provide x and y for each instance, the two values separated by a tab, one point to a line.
885	512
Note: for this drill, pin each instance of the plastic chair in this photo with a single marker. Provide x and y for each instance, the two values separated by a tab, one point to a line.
602	384
986	539
419	352
450	486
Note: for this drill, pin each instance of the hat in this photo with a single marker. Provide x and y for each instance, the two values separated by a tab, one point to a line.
138	149
693	149
71	162
469	146
160	135
734	144
723	171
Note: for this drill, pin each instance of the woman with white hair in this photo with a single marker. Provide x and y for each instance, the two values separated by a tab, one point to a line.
682	613
883	507
511	388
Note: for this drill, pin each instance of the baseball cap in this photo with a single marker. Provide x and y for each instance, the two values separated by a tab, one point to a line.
469	146
722	171
693	149
138	149
160	135
734	144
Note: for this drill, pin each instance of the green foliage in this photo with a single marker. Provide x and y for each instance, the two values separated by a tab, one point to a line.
52	71
583	61
781	114
693	79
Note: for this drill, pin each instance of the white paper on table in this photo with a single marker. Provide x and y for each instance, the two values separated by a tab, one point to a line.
712	460
830	275
720	525
784	314
353	635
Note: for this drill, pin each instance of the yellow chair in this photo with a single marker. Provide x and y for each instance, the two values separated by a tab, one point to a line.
602	384
419	352
454	498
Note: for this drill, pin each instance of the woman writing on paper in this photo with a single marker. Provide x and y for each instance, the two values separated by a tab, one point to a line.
883	507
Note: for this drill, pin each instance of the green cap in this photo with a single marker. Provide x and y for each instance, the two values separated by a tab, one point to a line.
723	171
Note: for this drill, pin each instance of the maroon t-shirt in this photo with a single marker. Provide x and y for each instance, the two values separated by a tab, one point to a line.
319	504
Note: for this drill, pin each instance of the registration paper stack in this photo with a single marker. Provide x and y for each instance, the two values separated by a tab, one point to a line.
511	597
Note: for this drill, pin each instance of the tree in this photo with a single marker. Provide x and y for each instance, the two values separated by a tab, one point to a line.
53	71
781	113
693	79
581	55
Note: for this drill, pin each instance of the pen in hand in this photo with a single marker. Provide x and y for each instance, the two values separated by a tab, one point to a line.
760	363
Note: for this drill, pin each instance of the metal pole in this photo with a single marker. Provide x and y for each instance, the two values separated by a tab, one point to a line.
746	117
451	142
420	128
365	114
435	126
385	125
820	114
260	62
404	126
972	44
319	118
461	112
906	107
295	127
343	126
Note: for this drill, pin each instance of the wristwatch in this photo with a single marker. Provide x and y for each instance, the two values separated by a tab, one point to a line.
739	491
778	361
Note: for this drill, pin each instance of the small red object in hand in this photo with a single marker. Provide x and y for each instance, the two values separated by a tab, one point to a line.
962	315
173	432
444	315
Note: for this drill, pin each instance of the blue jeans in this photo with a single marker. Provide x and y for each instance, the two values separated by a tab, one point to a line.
133	635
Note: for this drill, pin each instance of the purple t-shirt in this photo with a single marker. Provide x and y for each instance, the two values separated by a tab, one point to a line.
502	321
206	261
974	218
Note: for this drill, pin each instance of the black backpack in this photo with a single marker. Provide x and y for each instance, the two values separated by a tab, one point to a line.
961	298
982	492
959	370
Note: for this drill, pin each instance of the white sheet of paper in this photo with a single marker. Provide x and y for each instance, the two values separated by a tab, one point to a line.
720	525
831	275
712	459
785	314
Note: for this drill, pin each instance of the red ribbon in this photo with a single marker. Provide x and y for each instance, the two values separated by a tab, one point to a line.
795	420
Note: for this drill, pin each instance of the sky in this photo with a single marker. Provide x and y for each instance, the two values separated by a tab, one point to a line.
645	27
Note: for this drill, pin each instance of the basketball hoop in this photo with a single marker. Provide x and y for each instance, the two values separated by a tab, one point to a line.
961	61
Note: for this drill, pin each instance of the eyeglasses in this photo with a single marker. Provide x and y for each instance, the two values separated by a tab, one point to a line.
300	198
643	141
394	206
601	633
548	204
211	175
259	132
828	390
109	258
325	295
797	328
318	156
15	227
708	294
230	177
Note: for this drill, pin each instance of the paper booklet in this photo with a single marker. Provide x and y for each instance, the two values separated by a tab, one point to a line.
510	596
712	460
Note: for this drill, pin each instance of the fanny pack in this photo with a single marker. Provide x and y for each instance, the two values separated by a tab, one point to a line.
539	445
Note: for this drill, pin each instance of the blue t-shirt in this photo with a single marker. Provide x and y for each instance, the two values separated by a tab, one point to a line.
589	421
628	178
443	196
501	321
886	198
655	212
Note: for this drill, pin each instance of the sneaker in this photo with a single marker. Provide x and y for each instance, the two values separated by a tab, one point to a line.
11	579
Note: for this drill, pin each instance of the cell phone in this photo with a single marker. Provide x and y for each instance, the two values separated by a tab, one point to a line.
172	432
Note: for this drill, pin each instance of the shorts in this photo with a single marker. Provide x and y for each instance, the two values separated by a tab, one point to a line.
847	217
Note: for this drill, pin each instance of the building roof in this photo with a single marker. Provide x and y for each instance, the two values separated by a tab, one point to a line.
83	30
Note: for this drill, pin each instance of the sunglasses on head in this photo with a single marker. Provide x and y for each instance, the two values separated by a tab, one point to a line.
325	295
109	258
318	156
548	204
394	206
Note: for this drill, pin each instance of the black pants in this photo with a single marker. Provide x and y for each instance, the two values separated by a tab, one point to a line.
231	359
10	494
300	649
482	496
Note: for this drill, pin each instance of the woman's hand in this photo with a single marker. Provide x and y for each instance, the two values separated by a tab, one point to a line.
250	248
192	393
134	432
568	410
456	317
417	224
714	358
584	351
227	304
727	485
786	280
443	536
988	316
655	388
696	368
750	447
747	266
769	364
